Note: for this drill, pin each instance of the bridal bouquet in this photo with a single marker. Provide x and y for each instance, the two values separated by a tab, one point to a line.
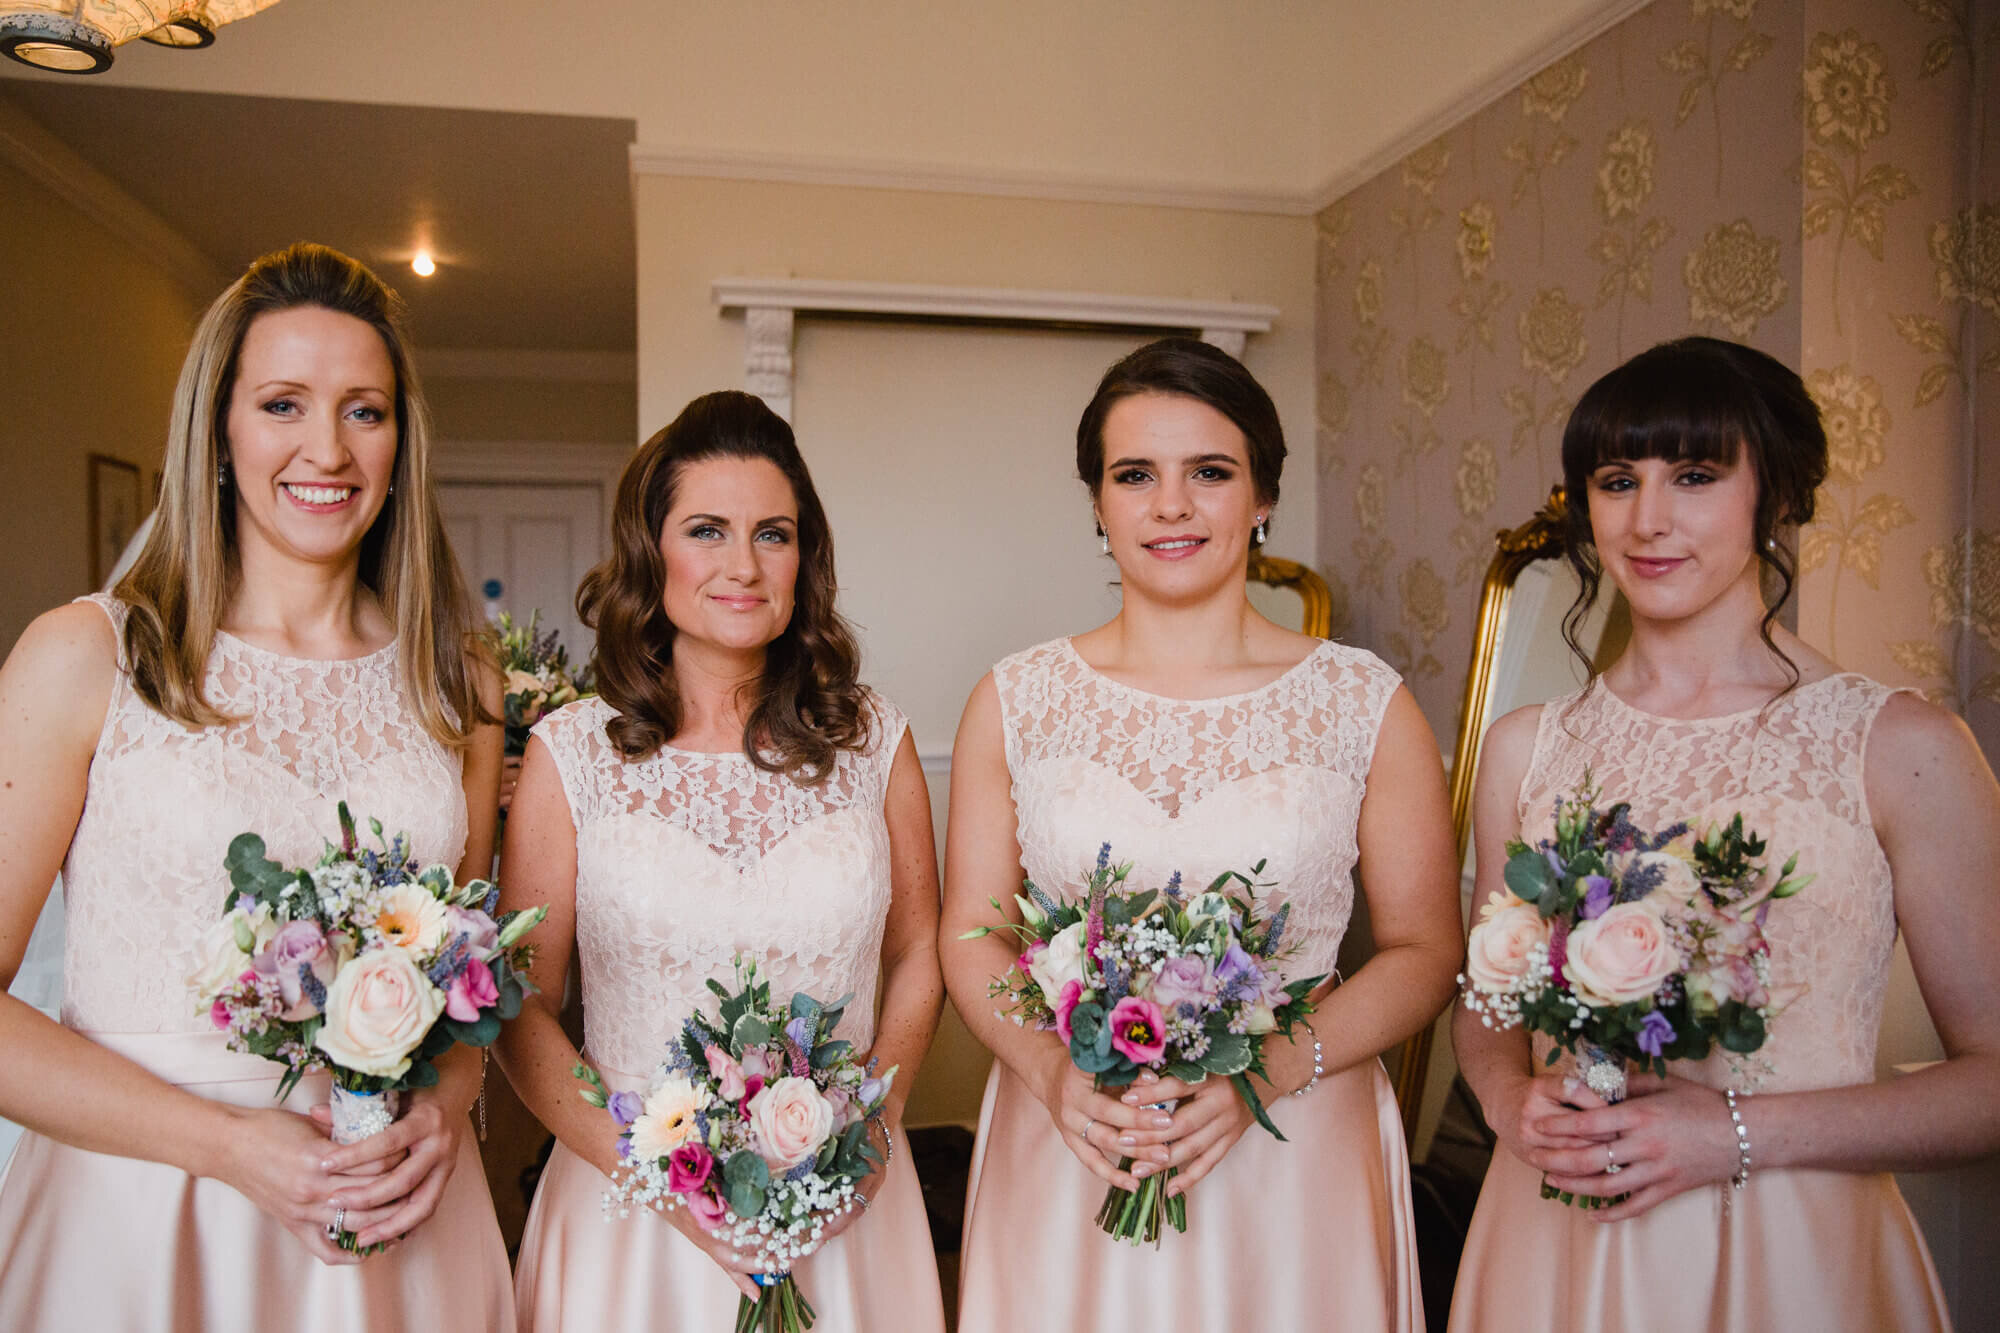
1628	947
365	965
1185	986
757	1124
538	673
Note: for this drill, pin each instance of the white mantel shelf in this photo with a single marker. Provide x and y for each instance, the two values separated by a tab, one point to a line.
770	308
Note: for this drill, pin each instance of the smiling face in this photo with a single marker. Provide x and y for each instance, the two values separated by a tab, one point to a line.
310	435
731	546
1676	536
1176	499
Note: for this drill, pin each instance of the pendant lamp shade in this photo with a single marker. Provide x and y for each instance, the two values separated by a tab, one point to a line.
77	36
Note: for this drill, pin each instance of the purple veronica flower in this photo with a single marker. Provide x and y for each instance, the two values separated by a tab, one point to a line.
1654	1033
1596	896
624	1107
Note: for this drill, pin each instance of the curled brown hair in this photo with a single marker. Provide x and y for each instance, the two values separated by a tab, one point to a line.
810	703
185	575
1704	400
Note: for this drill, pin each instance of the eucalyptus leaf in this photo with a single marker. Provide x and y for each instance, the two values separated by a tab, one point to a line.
1528	875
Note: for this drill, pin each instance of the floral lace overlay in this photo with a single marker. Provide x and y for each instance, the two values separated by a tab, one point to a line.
144	878
1199	786
685	860
1795	773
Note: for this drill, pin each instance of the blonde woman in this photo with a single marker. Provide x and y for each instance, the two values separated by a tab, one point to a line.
293	635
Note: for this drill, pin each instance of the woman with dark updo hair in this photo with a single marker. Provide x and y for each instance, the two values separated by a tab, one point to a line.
1736	1213
732	790
1197	737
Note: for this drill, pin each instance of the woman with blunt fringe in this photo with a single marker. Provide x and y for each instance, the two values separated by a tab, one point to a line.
1733	1212
732	790
293	635
1197	737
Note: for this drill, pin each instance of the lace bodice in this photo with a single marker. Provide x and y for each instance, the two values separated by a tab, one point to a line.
1795	772
684	860
144	877
1198	785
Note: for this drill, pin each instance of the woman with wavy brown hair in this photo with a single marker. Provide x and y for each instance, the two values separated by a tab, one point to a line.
294	634
732	790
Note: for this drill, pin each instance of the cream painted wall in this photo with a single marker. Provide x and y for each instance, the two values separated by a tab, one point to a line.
945	454
91	339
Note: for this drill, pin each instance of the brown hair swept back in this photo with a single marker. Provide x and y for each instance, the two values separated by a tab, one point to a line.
184	577
811	703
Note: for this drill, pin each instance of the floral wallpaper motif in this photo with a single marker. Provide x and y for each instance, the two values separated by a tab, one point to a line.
1794	174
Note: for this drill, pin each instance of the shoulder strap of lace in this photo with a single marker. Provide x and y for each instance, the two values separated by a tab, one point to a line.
1014	676
890	722
117	612
1549	736
574	735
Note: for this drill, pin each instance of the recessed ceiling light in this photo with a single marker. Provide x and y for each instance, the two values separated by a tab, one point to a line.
424	264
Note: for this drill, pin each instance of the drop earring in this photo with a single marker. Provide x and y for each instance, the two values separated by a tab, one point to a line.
222	475
1259	533
1103	542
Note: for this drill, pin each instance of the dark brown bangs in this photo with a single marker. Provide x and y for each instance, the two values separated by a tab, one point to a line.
1672	408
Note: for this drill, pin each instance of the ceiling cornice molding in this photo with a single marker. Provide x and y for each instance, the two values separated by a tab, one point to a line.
990	304
38	154
549	366
800	169
1471	103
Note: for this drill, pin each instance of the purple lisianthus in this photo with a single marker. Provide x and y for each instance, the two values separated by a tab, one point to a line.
1654	1033
1596	896
800	1030
625	1107
1237	974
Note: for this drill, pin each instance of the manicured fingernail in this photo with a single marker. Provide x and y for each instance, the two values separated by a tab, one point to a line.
1163	1121
1160	1156
1141	1171
1126	1140
1130	1099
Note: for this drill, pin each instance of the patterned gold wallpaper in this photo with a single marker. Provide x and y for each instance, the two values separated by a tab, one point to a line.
1813	177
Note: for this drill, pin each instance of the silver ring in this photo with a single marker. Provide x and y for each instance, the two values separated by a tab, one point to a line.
1611	1167
1088	1123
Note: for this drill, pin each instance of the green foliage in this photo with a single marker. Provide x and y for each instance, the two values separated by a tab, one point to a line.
746	1182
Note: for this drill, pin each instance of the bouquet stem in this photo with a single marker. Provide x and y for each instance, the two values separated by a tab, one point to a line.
358	1116
780	1306
1604	1074
1138	1215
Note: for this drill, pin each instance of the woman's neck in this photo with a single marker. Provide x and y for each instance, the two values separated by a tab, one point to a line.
1710	661
302	609
1212	634
718	688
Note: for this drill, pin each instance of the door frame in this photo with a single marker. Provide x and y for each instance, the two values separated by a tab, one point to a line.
513	462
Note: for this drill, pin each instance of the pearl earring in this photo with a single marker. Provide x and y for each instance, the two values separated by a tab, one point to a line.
1259	533
1103	542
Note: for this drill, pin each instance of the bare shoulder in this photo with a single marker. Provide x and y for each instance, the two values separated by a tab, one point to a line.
57	680
1511	741
1915	745
979	725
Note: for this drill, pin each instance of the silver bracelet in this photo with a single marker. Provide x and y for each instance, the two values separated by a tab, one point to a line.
1742	1177
1318	1068
889	1146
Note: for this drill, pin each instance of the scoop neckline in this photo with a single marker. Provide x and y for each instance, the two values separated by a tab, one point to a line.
1717	719
1069	647
259	650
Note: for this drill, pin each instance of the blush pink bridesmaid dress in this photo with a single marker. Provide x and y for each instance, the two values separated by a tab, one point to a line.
1830	1251
89	1241
1314	1233
683	861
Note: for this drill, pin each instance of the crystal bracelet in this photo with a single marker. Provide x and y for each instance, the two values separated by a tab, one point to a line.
1318	1068
1742	1177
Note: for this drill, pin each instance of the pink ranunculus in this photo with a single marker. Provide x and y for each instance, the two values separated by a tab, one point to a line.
1138	1030
482	932
1621	956
1066	1003
788	1122
1497	952
471	991
726	1072
688	1168
708	1209
1183	980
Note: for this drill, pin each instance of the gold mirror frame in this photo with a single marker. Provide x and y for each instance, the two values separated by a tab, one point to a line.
1276	572
1540	538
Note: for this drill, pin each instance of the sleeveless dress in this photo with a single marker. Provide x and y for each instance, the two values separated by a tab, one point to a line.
1805	1249
1310	1233
94	1241
683	861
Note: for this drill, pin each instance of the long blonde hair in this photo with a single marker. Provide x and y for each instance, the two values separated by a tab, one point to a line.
184	577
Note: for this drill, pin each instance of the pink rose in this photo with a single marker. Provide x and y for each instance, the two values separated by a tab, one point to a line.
471	991
1138	1030
1622	956
1497	952
726	1072
1183	980
378	1009
788	1122
760	1063
1066	1003
688	1168
708	1209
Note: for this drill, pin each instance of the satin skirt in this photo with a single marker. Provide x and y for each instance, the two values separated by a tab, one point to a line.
581	1273
1829	1251
1313	1233
90	1241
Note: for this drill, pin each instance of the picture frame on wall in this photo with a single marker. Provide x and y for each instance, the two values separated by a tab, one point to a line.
114	512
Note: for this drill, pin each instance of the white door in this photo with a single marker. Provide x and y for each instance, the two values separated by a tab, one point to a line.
525	546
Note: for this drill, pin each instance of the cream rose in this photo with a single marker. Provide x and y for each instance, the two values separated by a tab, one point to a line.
378	1009
667	1121
790	1120
1062	962
1497	952
1622	956
222	957
1678	882
523	682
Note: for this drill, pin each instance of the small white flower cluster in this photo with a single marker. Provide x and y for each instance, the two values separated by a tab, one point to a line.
345	890
1502	1009
809	1204
1142	946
